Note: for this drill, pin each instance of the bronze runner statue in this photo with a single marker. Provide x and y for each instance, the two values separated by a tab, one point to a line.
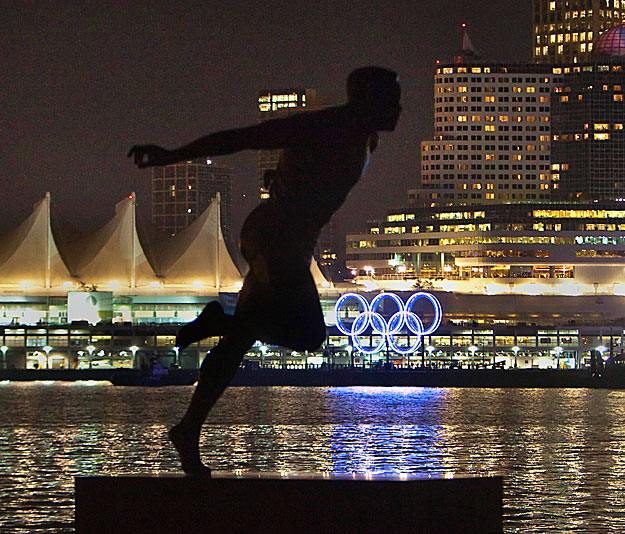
324	154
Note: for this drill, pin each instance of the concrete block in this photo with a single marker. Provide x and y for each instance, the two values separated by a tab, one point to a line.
286	503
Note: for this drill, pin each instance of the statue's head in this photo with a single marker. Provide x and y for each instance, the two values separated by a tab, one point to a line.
375	93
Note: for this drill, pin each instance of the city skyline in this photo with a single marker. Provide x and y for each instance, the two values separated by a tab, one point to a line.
85	82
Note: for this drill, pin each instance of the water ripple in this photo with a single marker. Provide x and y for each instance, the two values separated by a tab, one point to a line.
562	452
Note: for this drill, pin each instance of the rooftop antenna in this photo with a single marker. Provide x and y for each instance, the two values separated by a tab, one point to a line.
468	51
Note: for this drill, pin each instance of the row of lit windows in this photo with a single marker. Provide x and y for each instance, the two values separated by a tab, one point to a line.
276	106
542	213
586	68
616	98
489	89
514	227
580	137
580	214
288	97
547	50
567	37
487	98
500	118
400	217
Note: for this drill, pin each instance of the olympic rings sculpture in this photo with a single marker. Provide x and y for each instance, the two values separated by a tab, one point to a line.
387	331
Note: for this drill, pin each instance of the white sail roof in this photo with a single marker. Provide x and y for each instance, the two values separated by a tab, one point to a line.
198	255
112	256
318	277
29	255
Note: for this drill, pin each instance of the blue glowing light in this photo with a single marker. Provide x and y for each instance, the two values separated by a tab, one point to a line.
387	331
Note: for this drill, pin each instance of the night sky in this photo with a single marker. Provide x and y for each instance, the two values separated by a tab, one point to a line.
83	80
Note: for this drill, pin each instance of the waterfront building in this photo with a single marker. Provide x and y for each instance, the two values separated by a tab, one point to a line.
119	292
564	30
491	133
526	338
523	248
181	192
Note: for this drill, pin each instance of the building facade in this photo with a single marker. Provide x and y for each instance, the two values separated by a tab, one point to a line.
523	248
564	30
492	135
588	127
181	192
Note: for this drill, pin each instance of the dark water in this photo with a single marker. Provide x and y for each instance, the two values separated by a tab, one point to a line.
562	452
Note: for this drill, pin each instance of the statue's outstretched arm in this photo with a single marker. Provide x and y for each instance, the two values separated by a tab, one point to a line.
273	134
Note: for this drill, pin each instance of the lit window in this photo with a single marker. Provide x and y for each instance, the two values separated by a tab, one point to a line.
602	136
601	126
618	98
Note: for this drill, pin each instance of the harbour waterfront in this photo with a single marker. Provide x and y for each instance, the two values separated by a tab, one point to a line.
561	451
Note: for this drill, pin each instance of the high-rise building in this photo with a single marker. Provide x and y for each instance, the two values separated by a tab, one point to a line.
181	192
491	133
564	30
273	104
588	124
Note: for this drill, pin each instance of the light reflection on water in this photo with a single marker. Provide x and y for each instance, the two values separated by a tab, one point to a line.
562	451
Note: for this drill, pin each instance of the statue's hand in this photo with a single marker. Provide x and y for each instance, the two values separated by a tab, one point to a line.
150	156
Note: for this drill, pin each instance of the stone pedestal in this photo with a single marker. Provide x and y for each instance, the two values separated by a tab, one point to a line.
287	503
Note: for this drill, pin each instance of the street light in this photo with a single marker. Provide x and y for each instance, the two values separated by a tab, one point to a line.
90	350
177	357
47	350
4	349
430	350
516	350
350	352
473	349
558	351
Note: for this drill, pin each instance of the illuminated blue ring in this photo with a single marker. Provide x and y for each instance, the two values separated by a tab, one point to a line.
438	311
411	348
339	305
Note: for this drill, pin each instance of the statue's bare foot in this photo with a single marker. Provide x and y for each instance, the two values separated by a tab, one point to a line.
188	451
211	322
